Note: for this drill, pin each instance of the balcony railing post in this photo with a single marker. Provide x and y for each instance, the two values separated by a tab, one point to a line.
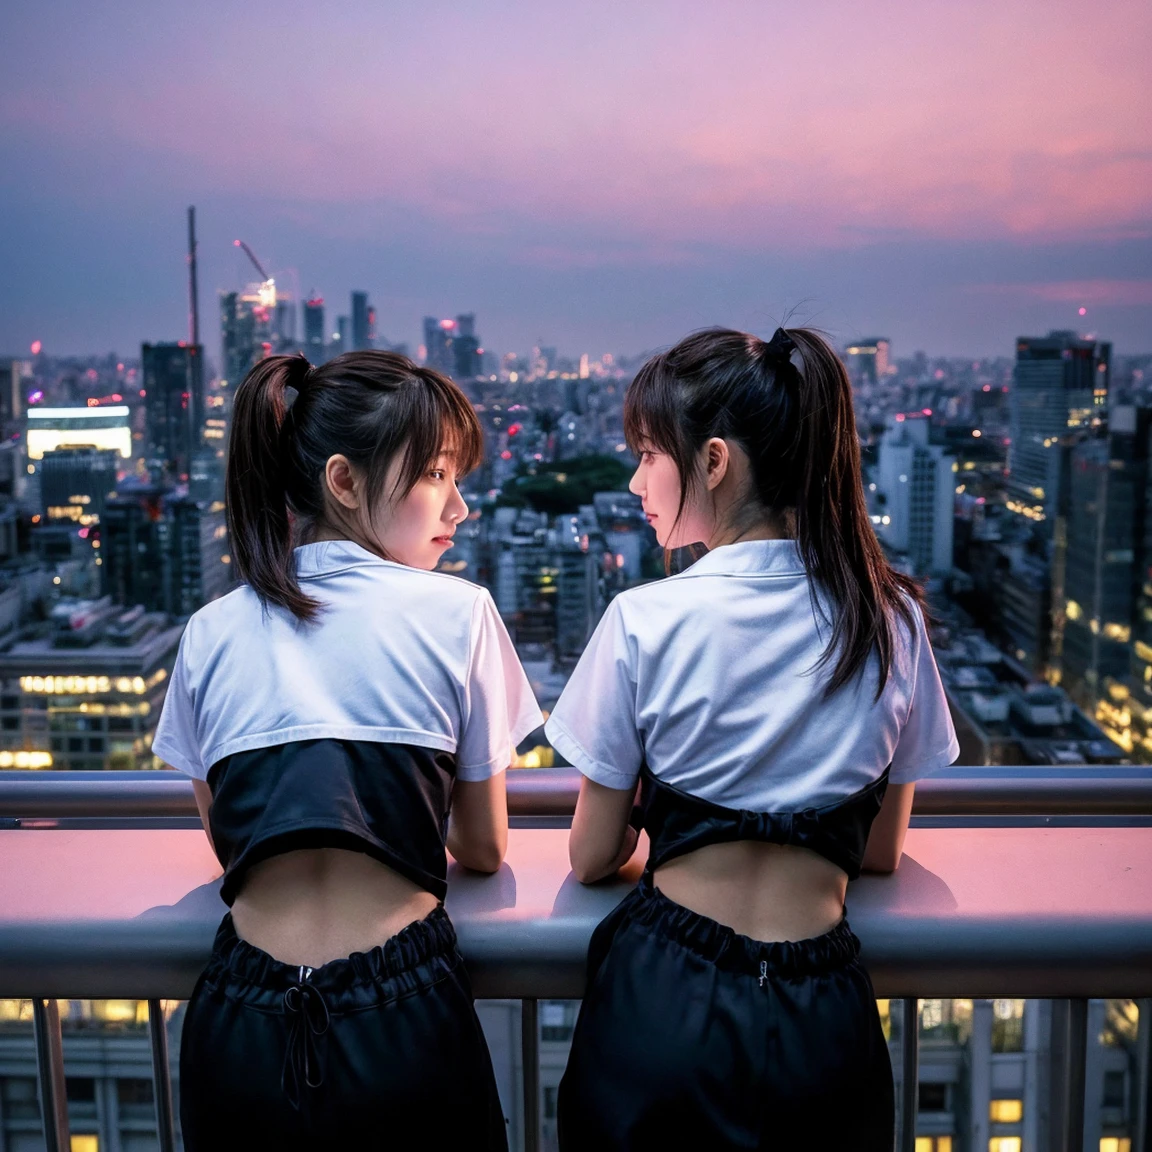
161	1077
1069	1054
50	1075
530	1059
1143	1141
910	1069
1077	1067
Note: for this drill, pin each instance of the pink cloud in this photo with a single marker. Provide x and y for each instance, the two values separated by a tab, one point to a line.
736	123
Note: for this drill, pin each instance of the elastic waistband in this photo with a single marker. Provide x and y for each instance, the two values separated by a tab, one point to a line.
416	955
648	907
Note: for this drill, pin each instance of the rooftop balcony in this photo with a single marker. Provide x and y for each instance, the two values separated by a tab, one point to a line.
1016	884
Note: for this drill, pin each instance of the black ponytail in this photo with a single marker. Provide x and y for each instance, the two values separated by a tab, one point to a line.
289	419
795	422
833	531
259	522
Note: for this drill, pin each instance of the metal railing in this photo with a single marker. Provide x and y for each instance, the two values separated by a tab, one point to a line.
1081	791
1068	1134
918	940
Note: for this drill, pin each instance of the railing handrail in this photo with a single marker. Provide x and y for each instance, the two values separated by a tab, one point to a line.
960	790
970	912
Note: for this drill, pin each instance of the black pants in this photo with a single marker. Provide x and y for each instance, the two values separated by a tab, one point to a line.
693	1036
381	1050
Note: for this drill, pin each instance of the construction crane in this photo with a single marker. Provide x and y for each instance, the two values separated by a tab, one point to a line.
266	294
252	256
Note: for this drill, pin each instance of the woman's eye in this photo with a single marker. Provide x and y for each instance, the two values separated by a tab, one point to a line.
437	474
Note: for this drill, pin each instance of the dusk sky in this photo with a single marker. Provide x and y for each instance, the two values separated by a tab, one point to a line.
598	176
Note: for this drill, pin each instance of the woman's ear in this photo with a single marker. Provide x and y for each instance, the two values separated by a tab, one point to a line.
342	482
717	458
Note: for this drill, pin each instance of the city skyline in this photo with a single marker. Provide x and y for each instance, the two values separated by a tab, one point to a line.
600	180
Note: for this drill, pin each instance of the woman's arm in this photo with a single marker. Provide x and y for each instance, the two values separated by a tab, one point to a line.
886	840
478	823
601	840
204	803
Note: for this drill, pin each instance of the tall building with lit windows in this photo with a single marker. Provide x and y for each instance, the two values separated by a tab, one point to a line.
87	693
1058	397
247	333
1106	556
163	552
916	480
173	406
1059	388
870	359
76	483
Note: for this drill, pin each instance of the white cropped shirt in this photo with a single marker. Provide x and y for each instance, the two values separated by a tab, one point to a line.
711	678
397	655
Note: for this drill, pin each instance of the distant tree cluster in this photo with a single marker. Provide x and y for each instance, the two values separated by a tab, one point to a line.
561	486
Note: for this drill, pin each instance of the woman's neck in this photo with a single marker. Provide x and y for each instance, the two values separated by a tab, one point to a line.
762	528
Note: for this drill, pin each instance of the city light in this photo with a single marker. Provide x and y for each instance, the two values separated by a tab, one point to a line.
25	759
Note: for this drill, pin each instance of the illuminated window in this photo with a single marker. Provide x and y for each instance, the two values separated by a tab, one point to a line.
1005	1111
1005	1144
85	1144
933	1144
1115	1144
884	1007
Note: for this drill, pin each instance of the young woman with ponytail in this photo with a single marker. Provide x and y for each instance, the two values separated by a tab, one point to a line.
775	701
345	714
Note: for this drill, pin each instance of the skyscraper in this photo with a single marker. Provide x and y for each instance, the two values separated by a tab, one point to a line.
194	544
314	329
363	321
11	391
249	331
1059	392
1060	385
869	357
168	553
439	338
916	479
75	483
466	347
174	408
132	557
1106	556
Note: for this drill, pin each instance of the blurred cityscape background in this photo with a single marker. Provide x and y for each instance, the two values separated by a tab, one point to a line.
529	197
1017	487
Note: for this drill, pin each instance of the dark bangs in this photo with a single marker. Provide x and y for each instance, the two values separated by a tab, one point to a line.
654	419
436	416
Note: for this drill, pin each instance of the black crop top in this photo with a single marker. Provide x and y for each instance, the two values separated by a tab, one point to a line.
677	823
388	800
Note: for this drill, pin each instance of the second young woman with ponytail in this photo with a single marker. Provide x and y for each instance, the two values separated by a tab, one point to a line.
345	715
775	701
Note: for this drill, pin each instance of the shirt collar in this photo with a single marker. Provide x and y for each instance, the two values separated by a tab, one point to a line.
328	556
751	557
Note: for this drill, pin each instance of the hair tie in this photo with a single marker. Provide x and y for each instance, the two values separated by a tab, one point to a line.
780	348
301	371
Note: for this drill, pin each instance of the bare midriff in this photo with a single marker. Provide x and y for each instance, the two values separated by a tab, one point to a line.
320	904
766	891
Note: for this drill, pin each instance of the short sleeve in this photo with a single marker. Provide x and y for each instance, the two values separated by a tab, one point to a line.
175	741
499	707
593	725
927	740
